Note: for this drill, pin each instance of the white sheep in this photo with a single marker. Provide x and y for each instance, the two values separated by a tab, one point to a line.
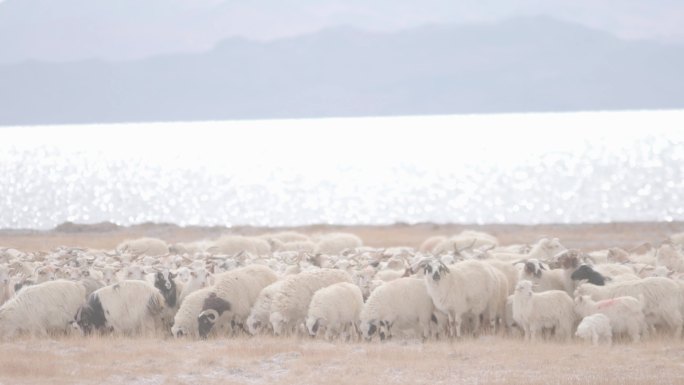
258	319
144	246
552	309
625	313
232	298
234	244
127	308
41	309
466	240
400	305
670	257
662	299
291	303
335	308
429	244
595	327
199	278
465	288
335	243
6	286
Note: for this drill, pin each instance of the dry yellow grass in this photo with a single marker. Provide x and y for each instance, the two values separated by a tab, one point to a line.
243	360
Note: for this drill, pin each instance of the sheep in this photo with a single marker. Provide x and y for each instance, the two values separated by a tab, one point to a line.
401	304
466	240
234	244
595	327
545	279
127	307
585	272
668	256
233	296
165	282
625	313
662	299
144	246
185	321
258	319
537	311
286	236
199	278
429	244
41	309
335	243
335	308
6	286
467	287
291	303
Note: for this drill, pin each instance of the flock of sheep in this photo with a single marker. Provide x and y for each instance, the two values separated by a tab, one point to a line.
332	286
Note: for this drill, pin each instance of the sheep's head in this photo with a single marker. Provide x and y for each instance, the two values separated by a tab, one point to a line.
524	287
253	325
164	281
568	259
278	322
368	329
179	331
313	324
213	307
534	268
436	270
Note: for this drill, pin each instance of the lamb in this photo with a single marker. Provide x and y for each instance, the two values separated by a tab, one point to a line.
41	309
291	303
185	321
335	243
233	296
595	327
401	304
144	246
335	308
127	307
662	299
537	311
258	319
468	287
625	313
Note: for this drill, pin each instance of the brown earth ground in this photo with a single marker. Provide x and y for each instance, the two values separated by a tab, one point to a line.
263	360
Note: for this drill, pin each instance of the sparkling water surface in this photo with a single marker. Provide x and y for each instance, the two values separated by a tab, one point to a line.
507	168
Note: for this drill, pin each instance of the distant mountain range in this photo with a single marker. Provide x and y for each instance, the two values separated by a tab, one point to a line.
520	65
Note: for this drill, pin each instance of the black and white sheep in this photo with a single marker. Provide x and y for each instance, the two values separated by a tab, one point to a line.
128	308
234	294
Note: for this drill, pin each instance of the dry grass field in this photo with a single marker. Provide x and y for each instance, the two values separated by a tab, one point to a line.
262	360
269	360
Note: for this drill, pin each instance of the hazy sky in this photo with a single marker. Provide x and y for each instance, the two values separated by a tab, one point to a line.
59	30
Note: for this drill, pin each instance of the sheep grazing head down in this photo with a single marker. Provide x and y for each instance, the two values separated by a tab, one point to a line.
212	309
436	270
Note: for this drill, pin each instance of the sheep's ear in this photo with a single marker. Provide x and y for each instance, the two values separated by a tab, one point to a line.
443	268
172	275
541	266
